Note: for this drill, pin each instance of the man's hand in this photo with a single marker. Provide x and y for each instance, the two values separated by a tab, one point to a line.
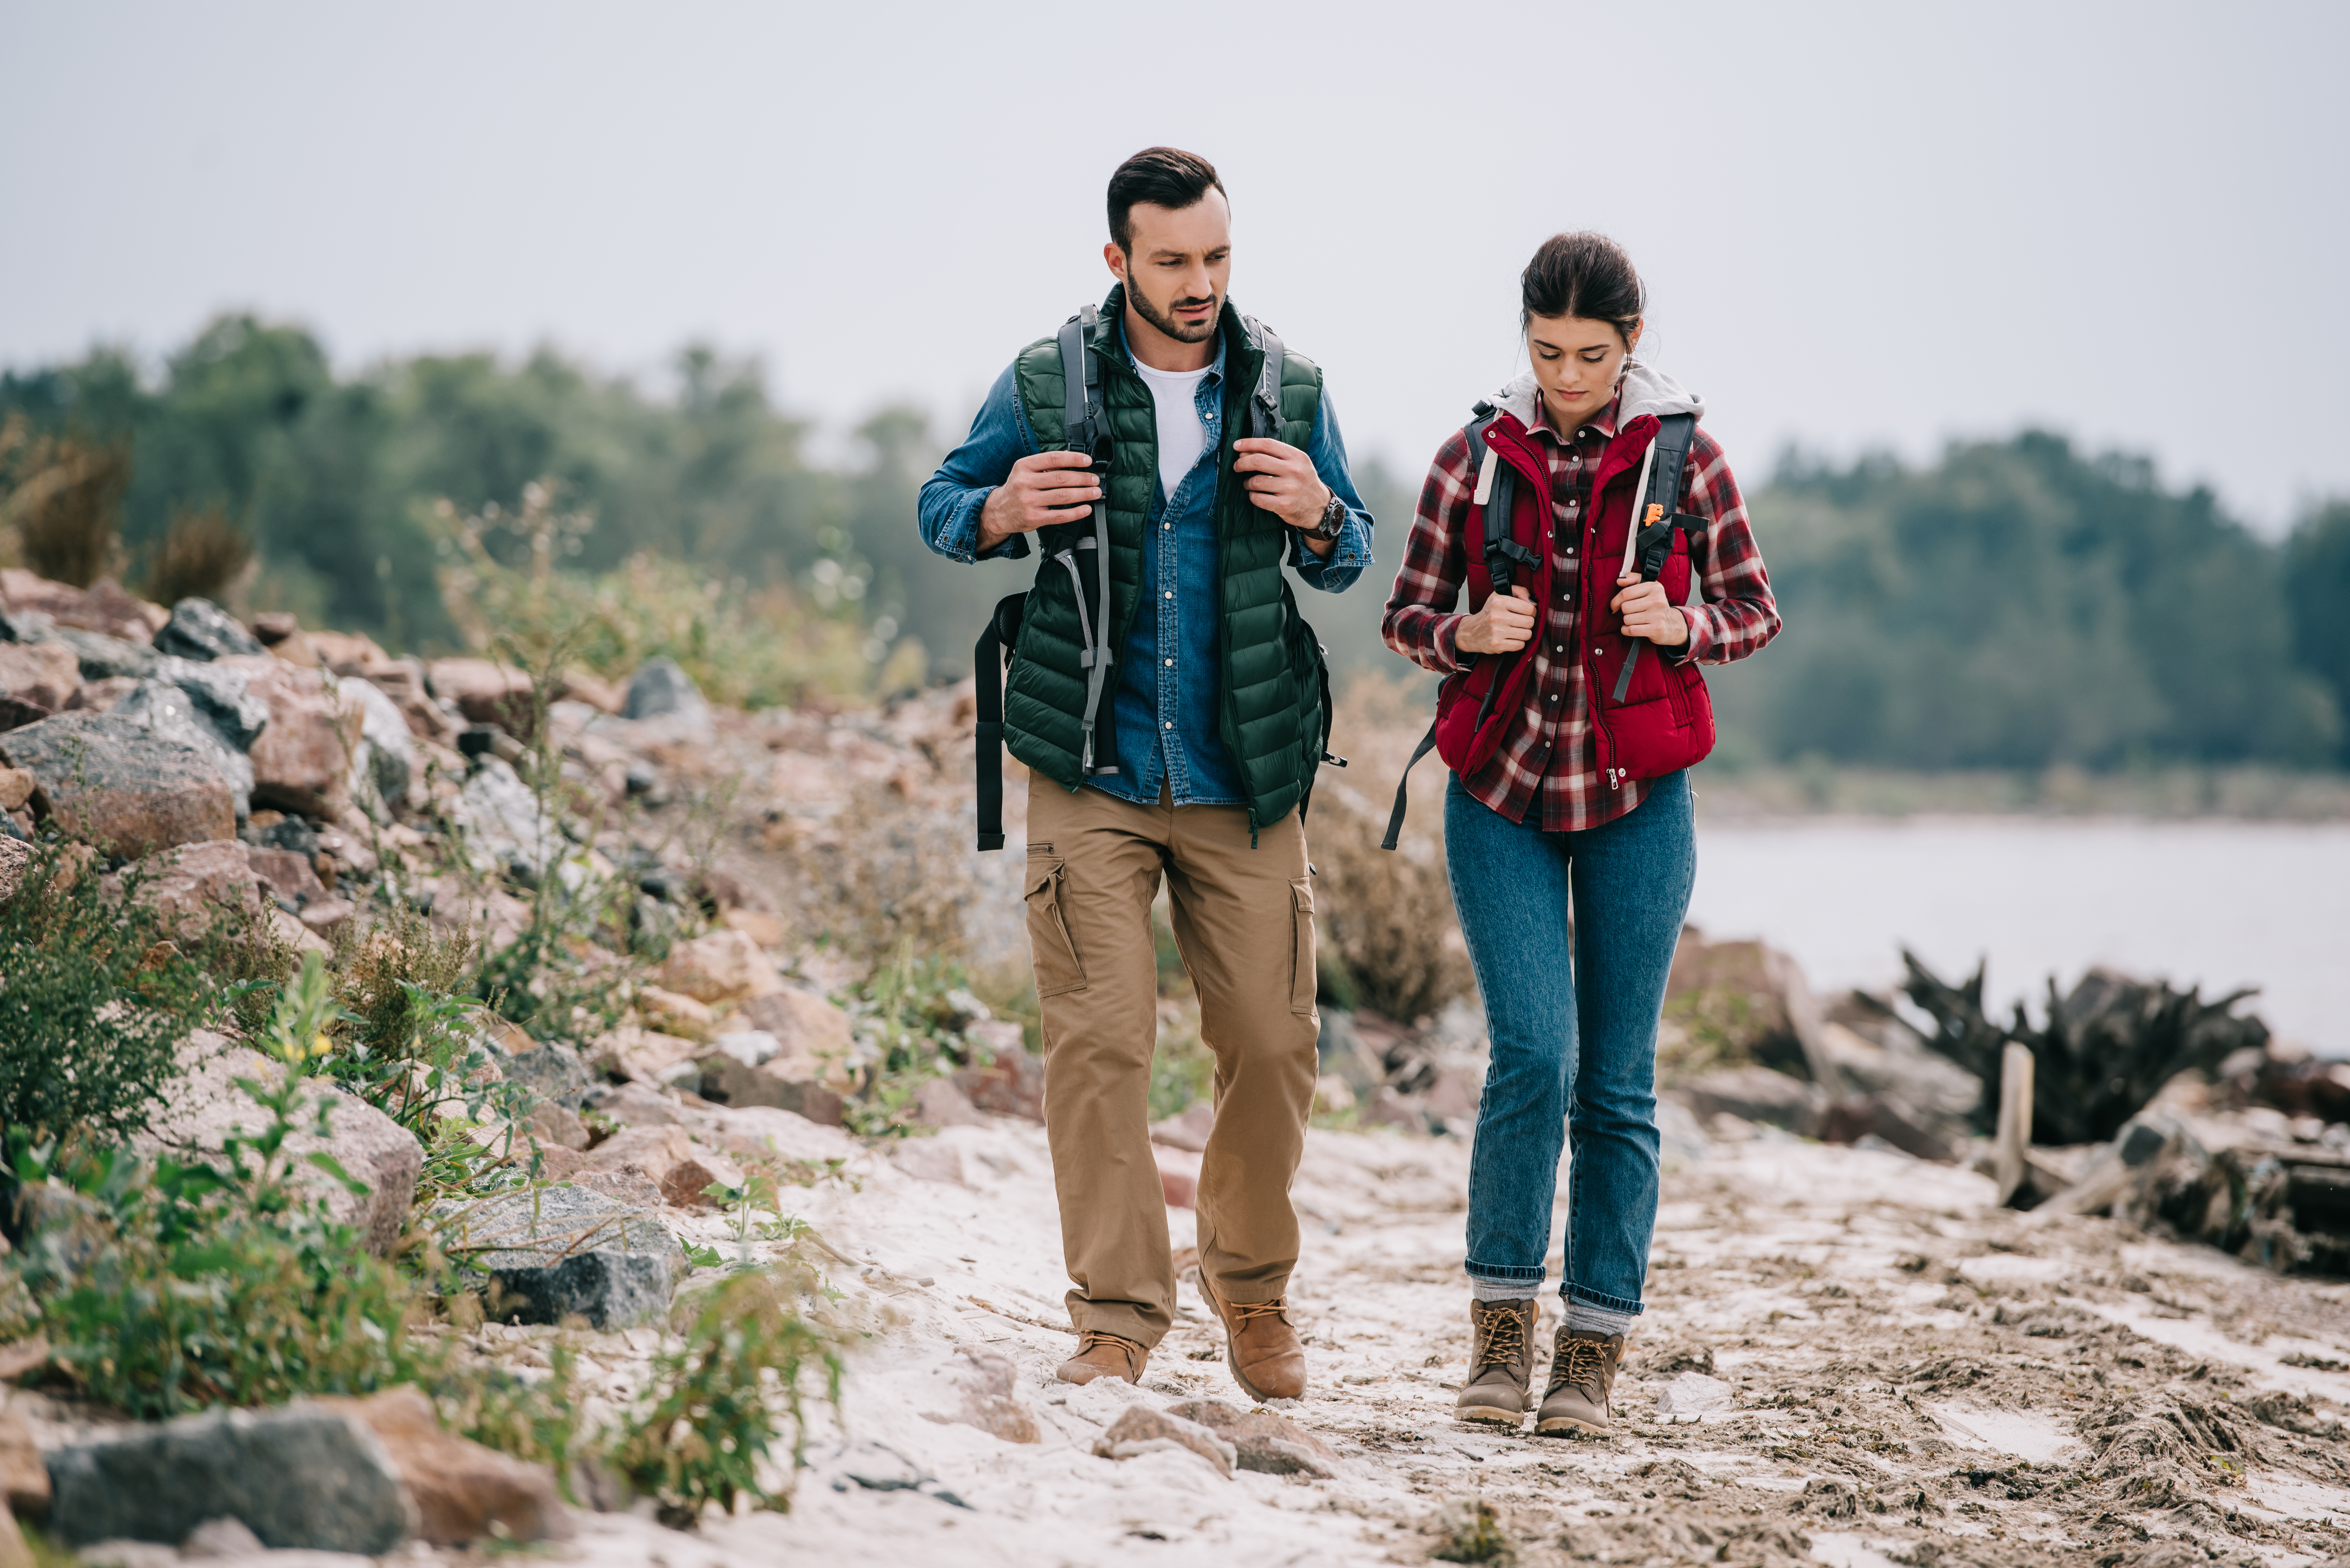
1050	487
1281	480
1502	626
1647	613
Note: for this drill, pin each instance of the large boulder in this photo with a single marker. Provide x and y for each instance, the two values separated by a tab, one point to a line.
194	884
42	674
168	710
302	761
463	1492
300	1477
102	608
109	780
201	630
564	1252
207	1107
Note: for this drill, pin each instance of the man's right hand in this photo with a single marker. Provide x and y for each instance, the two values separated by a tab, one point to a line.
1050	487
1502	626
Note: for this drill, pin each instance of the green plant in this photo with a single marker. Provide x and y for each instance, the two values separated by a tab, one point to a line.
384	979
1473	1535
728	1405
94	1001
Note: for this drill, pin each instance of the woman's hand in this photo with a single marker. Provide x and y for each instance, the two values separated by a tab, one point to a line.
1647	613
1503	626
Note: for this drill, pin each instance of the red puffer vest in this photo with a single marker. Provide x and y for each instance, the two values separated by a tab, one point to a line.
1666	719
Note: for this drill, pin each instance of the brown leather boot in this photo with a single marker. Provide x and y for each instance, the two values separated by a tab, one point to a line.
1582	1377
1103	1355
1502	1364
1260	1346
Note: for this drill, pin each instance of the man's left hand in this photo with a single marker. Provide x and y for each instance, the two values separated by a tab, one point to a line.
1281	480
1647	613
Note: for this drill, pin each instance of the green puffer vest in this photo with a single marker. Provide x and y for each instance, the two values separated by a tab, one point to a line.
1274	719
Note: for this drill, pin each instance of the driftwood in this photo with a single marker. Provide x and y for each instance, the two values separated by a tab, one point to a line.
2282	1208
2107	1046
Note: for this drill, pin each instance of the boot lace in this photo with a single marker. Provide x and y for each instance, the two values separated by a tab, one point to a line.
1278	1307
1504	1341
1090	1337
1580	1364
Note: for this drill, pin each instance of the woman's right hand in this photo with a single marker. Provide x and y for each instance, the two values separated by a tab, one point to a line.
1503	626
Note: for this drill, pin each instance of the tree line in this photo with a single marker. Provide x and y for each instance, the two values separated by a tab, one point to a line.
2016	604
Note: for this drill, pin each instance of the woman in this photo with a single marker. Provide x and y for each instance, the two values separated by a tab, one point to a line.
1571	711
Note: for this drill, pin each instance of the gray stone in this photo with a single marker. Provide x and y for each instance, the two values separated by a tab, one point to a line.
167	711
1263	1440
102	656
554	1070
562	1251
384	761
1757	1094
503	825
659	690
201	630
106	779
298	1478
223	696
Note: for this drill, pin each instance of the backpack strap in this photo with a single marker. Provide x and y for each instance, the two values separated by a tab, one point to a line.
1085	426
987	678
1657	515
1264	400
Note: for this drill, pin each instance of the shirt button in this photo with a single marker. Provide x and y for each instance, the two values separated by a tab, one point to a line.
1555	647
1552	698
1170	664
1170	593
1170	723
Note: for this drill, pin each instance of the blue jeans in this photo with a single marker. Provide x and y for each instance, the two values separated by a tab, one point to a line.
1572	1010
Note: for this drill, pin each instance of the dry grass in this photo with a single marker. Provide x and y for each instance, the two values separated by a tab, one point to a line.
63	500
201	556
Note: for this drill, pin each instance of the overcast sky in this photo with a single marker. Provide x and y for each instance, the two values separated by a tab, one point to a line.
1863	225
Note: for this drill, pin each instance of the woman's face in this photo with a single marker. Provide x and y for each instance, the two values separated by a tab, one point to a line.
1577	362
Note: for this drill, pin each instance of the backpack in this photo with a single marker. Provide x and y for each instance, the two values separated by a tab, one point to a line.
1647	547
1086	428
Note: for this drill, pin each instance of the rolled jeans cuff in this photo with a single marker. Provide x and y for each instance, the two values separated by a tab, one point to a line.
1599	1299
1503	1274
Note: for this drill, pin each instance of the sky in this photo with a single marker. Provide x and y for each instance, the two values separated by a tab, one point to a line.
1864	226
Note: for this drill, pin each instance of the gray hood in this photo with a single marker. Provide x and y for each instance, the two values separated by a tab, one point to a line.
1644	390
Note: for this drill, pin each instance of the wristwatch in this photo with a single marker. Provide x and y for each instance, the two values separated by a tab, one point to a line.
1333	522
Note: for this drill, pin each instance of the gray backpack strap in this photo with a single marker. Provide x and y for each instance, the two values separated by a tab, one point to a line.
1082	421
1085	426
1264	402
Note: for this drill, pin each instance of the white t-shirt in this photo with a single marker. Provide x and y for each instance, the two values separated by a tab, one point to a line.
1183	434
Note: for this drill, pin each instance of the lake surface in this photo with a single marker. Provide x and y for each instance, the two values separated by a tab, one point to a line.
2225	904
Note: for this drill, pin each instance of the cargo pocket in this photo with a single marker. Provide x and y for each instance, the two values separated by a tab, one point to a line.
1051	947
1301	963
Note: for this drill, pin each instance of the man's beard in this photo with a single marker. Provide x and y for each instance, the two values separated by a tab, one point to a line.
1168	324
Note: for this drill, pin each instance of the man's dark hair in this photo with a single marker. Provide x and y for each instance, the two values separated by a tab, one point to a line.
1586	275
1163	176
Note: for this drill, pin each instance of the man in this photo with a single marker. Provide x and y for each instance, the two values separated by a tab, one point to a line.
1215	725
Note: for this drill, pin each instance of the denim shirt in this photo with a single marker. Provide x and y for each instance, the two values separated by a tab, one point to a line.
1167	702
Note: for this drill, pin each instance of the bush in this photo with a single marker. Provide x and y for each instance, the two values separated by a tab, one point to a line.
63	498
201	556
94	1003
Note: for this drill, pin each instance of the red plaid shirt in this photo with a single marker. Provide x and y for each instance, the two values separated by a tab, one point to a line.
1737	616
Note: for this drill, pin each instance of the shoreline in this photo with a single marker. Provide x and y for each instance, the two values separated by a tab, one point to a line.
2066	795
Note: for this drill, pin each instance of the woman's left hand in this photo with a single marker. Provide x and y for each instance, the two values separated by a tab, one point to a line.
1647	613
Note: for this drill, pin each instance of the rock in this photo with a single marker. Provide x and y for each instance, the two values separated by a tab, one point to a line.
769	1132
556	1071
1756	1095
558	1126
402	681
646	1056
271	627
1942	1095
1759	1001
24	1477
1179	1177
191	886
299	1476
804	1023
44	673
679	1168
100	696
346	652
302	761
561	1253
287	874
16	788
761	926
112	781
926	1160
201	630
14	1550
103	657
297	937
722	966
504	826
384	765
220	1538
939	1104
1263	1440
1890	1118
168	711
671	1013
751	1047
102	608
327	916
485	693
16	712
635	1105
1186	1129
1390	1107
788	1082
14	855
1013	1084
579	686
1332	1094
985	1385
205	1107
462	1490
1692	1396
1140	1429
661	690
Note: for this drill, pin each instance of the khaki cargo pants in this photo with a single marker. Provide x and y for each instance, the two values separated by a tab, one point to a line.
1244	919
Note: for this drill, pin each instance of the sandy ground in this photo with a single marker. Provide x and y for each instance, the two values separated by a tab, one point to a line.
1918	1379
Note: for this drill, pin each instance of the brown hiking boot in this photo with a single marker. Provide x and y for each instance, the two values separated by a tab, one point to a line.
1260	1346
1502	1364
1103	1355
1582	1376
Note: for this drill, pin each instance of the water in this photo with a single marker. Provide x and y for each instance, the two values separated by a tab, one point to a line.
2225	904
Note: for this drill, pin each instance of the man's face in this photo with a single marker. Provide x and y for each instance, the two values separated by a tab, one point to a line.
1178	265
